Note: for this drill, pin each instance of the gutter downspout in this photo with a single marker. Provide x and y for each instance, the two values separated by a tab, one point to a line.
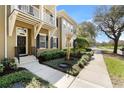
5	51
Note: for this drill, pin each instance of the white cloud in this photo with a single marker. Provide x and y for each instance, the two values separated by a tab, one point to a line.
90	20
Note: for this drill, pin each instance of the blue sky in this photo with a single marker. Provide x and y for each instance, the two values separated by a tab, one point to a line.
82	13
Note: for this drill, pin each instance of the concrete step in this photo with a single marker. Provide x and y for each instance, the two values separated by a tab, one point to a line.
27	59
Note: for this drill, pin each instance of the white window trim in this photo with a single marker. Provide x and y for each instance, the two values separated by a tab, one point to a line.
55	37
41	34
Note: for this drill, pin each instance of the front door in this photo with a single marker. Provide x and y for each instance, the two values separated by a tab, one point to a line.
21	44
22	41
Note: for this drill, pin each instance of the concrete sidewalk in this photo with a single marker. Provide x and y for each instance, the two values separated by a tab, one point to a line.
94	75
55	77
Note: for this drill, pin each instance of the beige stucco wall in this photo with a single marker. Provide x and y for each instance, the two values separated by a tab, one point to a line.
2	24
12	39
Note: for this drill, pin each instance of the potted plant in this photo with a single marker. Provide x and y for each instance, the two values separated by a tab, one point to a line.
122	50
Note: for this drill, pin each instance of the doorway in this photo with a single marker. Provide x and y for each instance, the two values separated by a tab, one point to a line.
22	41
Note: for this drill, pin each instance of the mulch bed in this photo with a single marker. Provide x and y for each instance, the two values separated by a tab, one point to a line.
117	82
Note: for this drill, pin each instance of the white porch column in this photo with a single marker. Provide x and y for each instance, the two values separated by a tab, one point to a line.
49	36
5	51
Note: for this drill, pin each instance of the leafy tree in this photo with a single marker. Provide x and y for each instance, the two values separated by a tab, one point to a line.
81	43
87	30
110	20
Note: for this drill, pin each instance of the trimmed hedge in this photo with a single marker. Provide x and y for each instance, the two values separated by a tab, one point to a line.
91	53
84	60
50	54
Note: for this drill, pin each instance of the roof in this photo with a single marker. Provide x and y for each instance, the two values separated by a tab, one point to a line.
62	13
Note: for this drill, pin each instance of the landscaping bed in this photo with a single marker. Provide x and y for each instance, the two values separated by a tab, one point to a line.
58	57
74	70
22	79
50	54
13	77
115	66
7	66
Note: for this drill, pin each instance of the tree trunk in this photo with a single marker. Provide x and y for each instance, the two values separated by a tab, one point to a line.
115	46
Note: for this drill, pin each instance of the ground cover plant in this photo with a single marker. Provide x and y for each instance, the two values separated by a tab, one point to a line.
22	79
7	65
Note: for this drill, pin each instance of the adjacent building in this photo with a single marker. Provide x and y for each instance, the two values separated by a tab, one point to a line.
65	24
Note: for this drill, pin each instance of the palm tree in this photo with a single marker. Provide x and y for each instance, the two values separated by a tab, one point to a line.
68	39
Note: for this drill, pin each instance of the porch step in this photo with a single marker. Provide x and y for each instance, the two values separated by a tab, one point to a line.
28	59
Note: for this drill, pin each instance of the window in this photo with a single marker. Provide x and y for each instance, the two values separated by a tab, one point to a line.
64	24
54	42
21	31
42	41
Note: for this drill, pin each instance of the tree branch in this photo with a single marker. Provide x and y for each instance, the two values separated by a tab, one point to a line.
106	33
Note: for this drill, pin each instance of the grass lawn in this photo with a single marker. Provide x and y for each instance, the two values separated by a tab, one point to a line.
55	64
108	47
22	79
115	66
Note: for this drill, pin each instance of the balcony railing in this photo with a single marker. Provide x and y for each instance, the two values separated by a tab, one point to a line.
34	11
49	18
29	9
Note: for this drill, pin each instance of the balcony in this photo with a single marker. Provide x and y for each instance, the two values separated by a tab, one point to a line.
28	9
33	15
49	18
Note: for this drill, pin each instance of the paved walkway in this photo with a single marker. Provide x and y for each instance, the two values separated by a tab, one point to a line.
55	77
94	75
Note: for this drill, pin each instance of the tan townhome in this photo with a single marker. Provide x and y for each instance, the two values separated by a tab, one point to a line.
25	28
65	24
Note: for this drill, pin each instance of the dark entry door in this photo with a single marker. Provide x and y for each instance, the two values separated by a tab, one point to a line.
21	43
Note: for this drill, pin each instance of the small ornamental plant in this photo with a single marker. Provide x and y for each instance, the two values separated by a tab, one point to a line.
1	68
69	35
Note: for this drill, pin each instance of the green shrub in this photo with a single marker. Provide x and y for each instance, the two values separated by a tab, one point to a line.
1	68
88	49
51	54
80	63
21	76
84	60
12	64
86	57
5	62
8	64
